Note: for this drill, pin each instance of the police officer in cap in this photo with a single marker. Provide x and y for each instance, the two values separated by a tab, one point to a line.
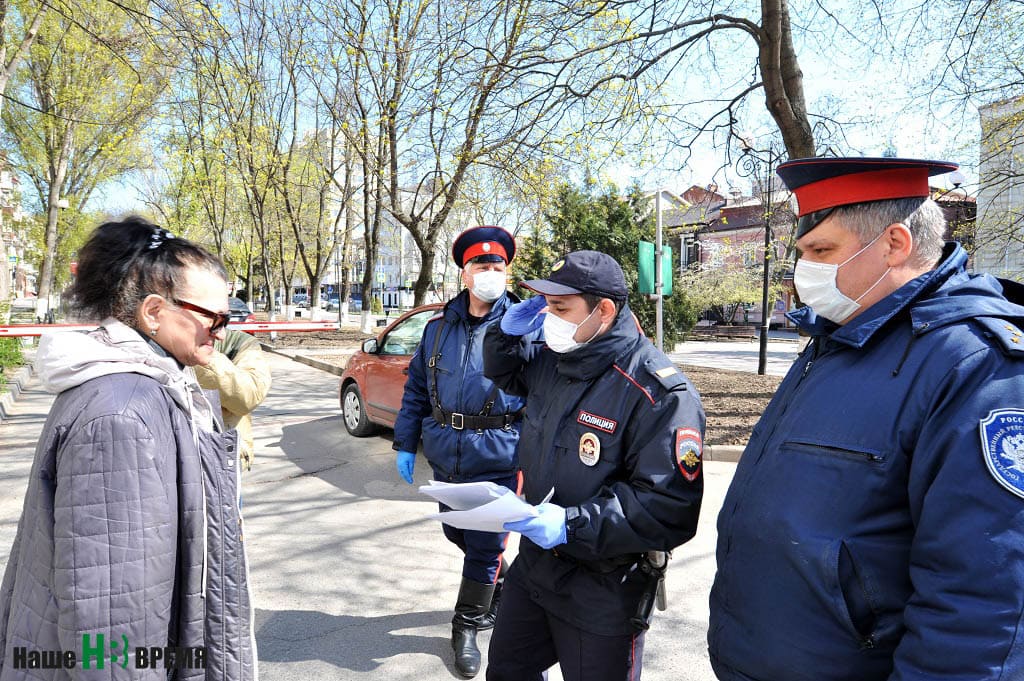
610	453
468	426
874	528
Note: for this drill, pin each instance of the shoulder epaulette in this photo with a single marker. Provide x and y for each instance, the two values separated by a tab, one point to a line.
1007	335
667	374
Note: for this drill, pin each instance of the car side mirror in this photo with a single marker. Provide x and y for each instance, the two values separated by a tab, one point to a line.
370	346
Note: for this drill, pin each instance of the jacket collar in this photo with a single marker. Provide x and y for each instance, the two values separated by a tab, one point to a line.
594	358
69	359
951	268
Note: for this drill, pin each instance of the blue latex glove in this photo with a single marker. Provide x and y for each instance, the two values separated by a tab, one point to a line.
547	529
524	317
405	461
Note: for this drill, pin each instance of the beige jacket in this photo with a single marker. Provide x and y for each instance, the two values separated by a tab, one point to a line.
240	372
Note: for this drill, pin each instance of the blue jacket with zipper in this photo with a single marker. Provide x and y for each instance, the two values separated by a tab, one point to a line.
875	525
464	455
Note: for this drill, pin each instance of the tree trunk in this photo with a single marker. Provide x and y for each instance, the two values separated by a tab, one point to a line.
426	278
783	80
59	173
345	289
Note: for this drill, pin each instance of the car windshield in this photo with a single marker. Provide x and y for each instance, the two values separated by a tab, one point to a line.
403	339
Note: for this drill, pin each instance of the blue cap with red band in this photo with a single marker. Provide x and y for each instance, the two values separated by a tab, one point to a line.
824	183
486	243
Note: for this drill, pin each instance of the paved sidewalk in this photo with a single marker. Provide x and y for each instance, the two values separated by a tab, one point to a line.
741	355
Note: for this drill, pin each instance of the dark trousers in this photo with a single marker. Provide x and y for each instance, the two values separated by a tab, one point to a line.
527	640
482	549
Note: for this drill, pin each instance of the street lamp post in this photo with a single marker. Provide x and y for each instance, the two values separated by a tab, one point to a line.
751	163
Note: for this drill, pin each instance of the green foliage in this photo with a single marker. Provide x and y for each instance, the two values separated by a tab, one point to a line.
725	289
376	305
82	100
588	219
10	356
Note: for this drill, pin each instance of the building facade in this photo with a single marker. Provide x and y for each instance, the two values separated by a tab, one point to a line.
999	237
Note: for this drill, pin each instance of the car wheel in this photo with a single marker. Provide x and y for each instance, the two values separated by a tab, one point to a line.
353	412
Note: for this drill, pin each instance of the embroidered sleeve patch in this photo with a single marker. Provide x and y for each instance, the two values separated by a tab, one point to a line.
1002	444
688	452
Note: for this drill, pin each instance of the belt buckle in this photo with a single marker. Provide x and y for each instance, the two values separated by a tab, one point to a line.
458	421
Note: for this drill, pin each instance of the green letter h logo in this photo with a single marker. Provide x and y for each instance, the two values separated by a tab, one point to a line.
93	652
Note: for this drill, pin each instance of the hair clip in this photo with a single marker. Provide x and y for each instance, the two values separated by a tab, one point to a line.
158	237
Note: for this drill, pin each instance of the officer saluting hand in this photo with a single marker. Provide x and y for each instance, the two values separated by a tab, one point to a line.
616	430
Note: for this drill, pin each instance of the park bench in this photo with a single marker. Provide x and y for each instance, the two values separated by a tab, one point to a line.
748	331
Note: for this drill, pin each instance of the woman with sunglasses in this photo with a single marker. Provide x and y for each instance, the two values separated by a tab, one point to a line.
131	528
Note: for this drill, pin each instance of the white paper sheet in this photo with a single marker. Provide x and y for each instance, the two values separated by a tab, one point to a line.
482	506
465	495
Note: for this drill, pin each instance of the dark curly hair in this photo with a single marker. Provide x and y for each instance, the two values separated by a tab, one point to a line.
123	262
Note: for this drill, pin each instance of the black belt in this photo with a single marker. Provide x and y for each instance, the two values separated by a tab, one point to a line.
603	566
475	421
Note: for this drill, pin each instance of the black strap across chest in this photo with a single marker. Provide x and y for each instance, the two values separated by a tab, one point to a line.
459	421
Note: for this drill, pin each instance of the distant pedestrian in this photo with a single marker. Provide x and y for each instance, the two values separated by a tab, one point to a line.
614	433
131	533
874	529
238	369
468	426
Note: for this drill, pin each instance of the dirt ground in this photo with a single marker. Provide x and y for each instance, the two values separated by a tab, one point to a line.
733	400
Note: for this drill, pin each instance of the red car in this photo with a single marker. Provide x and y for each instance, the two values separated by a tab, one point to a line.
374	378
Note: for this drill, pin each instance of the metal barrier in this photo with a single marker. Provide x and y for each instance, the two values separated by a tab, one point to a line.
251	327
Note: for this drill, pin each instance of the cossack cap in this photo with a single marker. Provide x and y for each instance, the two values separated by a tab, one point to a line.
583	272
823	183
486	243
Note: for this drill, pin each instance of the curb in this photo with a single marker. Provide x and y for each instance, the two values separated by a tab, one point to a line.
17	383
302	359
728	453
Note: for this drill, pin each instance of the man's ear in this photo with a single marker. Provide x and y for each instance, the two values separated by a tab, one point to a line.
901	244
607	310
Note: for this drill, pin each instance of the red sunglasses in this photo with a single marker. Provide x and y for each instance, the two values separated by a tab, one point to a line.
220	319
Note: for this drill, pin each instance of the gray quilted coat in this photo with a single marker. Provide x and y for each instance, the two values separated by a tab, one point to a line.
131	525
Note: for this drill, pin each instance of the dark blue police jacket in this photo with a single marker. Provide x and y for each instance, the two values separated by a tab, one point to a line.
617	430
458	455
875	526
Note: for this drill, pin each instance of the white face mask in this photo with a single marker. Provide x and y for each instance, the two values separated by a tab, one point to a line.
816	284
488	285
560	335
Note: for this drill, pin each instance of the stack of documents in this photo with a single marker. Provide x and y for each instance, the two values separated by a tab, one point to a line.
482	506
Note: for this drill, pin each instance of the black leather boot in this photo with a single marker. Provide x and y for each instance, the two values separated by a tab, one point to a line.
470	610
488	620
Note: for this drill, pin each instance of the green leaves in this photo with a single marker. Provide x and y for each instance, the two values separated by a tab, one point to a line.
600	219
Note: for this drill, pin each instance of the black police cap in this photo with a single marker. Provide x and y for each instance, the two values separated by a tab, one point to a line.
583	272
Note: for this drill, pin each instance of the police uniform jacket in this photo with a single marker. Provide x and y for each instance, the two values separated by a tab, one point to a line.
875	525
617	431
458	455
